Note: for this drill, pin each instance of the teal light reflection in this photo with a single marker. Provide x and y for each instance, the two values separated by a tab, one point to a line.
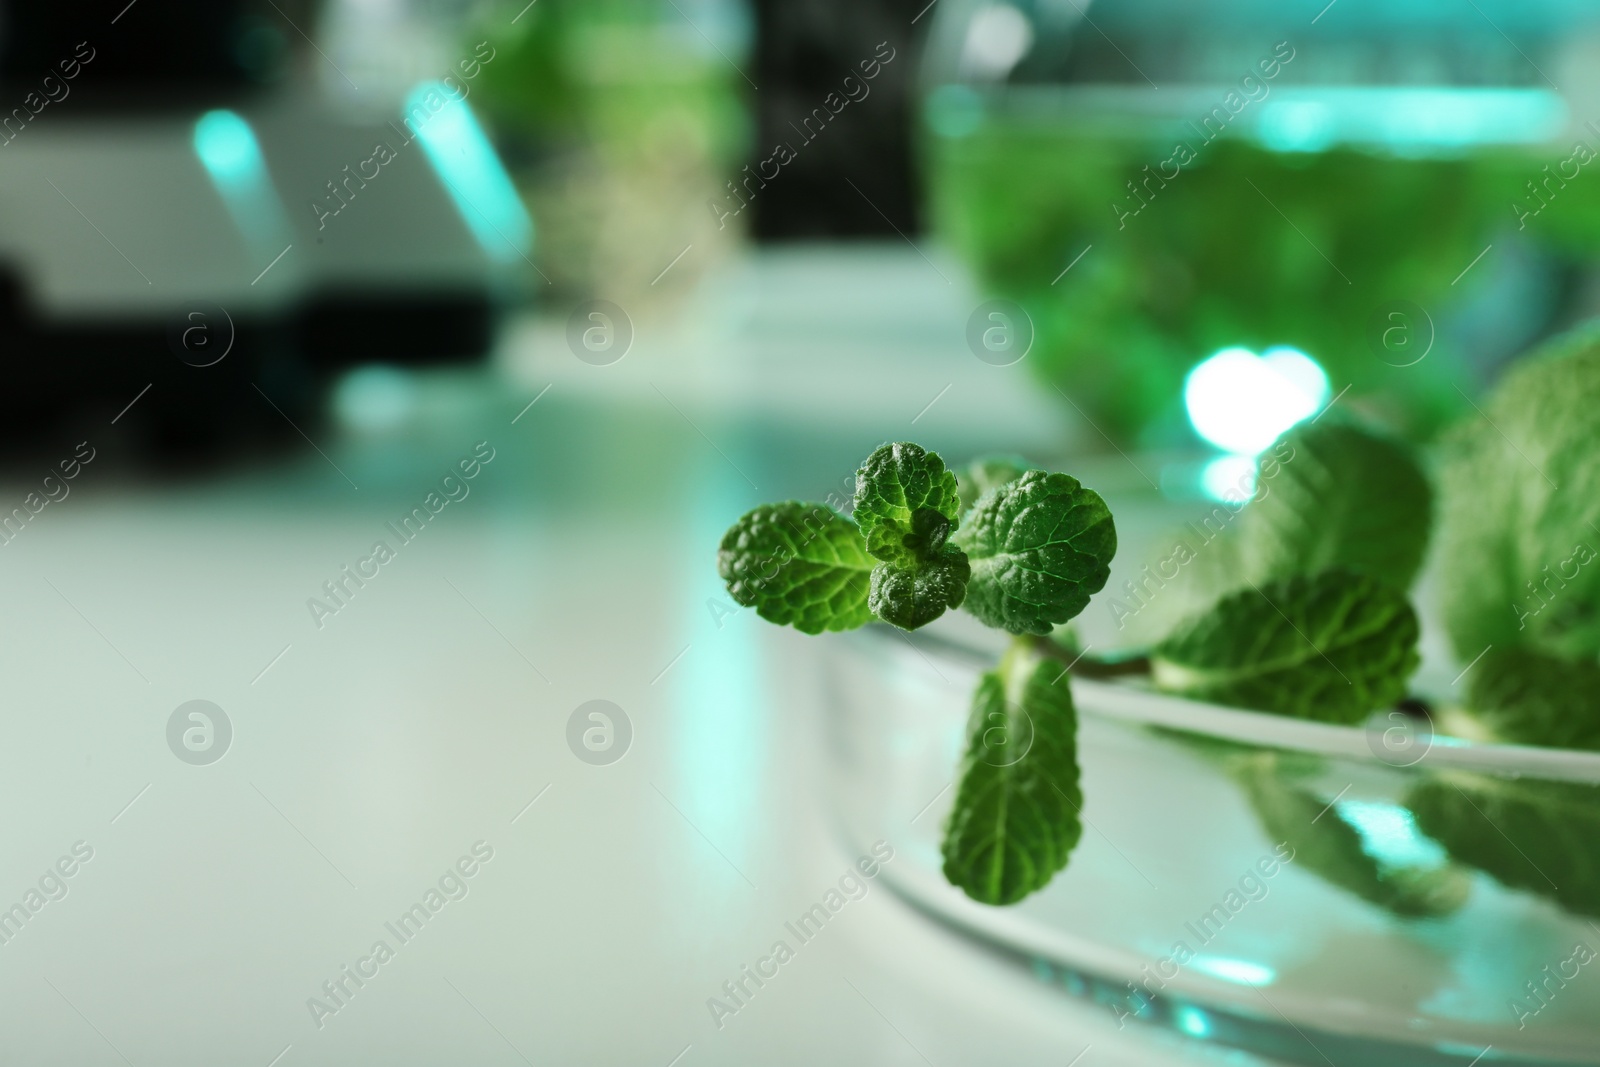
1408	121
462	156
1229	478
1192	1021
1242	971
722	751
953	111
231	155
375	397
1241	402
1297	126
1389	834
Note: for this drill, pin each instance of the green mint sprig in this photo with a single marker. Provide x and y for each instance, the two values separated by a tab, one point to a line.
1024	551
1292	603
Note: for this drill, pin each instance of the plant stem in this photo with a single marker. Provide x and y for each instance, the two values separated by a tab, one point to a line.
1091	667
1415	706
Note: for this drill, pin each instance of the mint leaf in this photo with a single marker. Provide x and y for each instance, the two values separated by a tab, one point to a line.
797	564
915	595
1520	506
1332	647
1015	817
906	503
1529	698
1039	546
1327	494
1331	847
1532	835
1332	494
986	473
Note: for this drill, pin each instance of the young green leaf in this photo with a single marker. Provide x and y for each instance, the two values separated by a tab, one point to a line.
797	564
1332	494
1039	546
1015	818
1532	835
914	595
906	503
1529	698
1332	646
986	473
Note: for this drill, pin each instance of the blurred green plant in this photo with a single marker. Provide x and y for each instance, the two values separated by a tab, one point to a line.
618	120
1244	247
607	71
1520	536
1522	509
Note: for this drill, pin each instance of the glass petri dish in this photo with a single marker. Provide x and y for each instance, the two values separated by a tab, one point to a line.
1315	893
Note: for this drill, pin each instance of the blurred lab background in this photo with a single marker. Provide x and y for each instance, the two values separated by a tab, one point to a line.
282	265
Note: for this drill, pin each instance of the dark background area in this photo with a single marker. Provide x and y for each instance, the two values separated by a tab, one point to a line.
804	50
188	50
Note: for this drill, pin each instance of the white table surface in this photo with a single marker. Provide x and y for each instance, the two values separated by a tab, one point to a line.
369	754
